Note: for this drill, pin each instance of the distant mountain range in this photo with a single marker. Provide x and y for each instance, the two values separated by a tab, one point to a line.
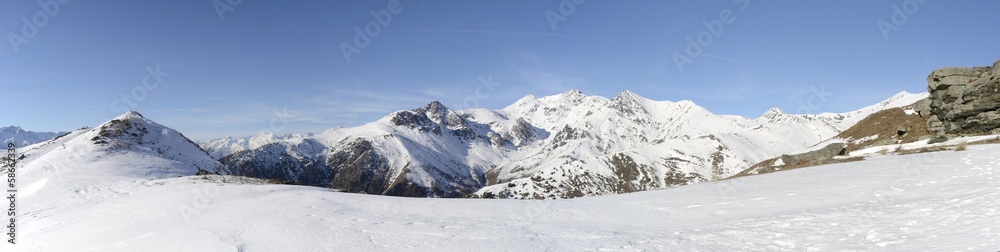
222	147
21	137
561	146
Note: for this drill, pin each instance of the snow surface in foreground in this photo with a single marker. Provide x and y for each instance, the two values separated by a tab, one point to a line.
933	201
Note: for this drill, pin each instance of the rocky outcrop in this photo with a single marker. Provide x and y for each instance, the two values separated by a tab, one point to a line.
523	132
923	107
828	152
965	100
358	167
298	164
434	118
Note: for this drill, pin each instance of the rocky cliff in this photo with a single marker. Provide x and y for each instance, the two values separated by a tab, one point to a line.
965	100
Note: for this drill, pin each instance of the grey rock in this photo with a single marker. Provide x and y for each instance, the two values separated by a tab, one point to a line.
523	132
496	139
938	139
827	152
935	125
902	130
923	107
964	100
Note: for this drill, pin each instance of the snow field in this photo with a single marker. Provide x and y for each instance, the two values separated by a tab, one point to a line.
941	201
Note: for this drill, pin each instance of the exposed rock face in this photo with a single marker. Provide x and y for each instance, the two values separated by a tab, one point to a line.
354	166
357	167
282	163
828	152
523	132
432	118
965	100
923	107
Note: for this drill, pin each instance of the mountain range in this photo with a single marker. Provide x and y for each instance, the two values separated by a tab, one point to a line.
560	146
21	137
884	177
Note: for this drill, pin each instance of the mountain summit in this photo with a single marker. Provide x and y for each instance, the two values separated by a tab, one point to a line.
128	145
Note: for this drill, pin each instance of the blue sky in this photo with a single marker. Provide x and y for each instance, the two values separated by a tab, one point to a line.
228	77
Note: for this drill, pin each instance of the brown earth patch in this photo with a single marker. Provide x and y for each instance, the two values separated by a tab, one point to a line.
767	166
886	125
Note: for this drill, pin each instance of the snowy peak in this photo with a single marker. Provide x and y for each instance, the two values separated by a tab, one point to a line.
11	130
21	137
626	95
434	117
145	148
528	101
128	129
434	108
130	115
435	111
573	92
901	99
630	103
570	98
771	114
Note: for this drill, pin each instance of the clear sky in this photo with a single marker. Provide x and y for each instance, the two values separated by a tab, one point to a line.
227	76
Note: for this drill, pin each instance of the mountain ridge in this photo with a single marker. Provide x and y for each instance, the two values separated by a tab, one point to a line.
558	146
21	137
129	145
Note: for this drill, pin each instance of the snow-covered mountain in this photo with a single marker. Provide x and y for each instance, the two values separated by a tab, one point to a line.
21	137
941	201
222	147
121	187
560	146
129	145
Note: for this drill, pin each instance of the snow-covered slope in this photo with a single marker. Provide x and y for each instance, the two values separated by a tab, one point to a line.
630	143
21	137
943	201
560	146
129	145
429	151
848	119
